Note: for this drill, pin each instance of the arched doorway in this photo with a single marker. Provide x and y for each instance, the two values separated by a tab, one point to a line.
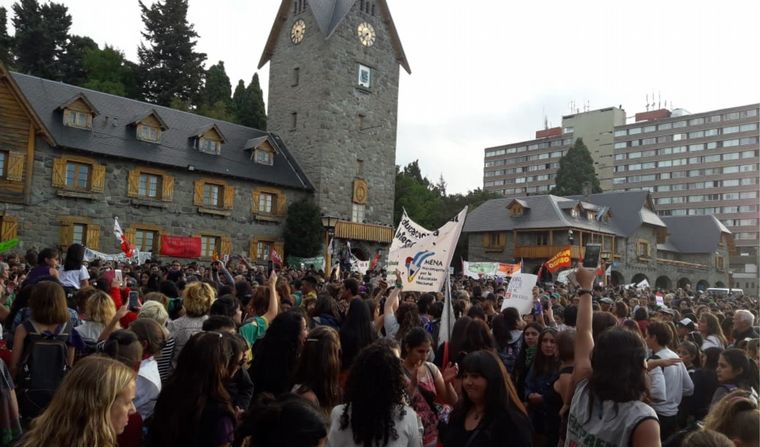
616	278
683	282
720	284
637	278
702	285
663	283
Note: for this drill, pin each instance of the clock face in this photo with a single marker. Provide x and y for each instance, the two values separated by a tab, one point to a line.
366	34
297	31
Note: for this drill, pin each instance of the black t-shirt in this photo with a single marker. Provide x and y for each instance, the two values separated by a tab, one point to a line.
501	429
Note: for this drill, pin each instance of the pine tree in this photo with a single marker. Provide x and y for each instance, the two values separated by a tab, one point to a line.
248	104
41	38
576	169
217	94
238	102
5	39
72	64
170	68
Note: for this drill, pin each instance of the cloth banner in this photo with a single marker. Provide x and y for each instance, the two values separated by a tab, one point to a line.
520	293
643	284
659	299
560	260
423	256
359	265
180	246
477	269
137	256
318	262
7	245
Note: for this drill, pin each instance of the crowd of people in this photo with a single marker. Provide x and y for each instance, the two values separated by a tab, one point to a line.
228	353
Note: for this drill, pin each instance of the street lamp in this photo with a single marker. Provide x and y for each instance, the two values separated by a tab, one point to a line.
570	237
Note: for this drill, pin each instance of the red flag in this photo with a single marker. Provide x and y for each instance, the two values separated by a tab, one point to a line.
180	246
374	261
126	247
275	257
560	260
540	270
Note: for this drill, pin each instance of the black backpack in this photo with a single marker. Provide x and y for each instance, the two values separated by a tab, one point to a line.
43	367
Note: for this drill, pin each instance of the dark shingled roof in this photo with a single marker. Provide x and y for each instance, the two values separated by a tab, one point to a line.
694	234
113	135
628	210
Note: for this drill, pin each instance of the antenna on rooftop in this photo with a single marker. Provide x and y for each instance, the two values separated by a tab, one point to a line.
647	106
659	100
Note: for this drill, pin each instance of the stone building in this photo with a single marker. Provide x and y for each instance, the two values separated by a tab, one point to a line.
333	97
72	159
635	241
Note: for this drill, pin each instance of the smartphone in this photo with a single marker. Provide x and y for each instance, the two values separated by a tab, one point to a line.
538	308
591	256
133	302
118	277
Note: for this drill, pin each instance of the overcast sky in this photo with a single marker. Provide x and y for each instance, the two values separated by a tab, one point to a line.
486	72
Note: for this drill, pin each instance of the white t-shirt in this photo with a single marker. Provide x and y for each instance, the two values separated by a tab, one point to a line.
73	278
148	387
408	430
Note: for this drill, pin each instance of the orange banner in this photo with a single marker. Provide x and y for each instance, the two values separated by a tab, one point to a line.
561	260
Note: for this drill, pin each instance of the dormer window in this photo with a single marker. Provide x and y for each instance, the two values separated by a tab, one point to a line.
149	127
209	146
148	133
78	112
591	216
209	140
574	212
264	157
263	150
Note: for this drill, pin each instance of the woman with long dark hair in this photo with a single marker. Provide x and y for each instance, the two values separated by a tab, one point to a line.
285	422
735	371
194	408
74	275
538	384
275	357
375	413
489	413
528	352
316	377
712	334
610	382
356	332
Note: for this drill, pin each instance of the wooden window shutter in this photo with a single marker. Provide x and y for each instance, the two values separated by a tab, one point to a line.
15	166
67	233
93	237
129	233
59	174
282	204
229	197
255	205
198	195
252	249
133	183
8	228
98	178
486	240
167	188
226	246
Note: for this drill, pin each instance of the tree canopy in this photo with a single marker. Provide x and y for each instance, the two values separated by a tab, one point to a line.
576	170
5	39
41	38
303	230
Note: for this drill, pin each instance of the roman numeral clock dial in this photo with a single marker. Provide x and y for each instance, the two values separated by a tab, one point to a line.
297	31
366	33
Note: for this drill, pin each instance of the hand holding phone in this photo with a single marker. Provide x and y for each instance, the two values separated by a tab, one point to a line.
133	301
591	256
118	276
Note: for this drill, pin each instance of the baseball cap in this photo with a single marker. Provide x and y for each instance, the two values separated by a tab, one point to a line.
686	322
606	300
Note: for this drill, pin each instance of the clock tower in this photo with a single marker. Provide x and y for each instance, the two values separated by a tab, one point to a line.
333	98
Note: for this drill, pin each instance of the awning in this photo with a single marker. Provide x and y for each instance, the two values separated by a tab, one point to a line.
363	232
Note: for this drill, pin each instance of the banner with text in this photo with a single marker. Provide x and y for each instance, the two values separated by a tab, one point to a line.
561	260
477	269
520	293
423	256
180	246
317	262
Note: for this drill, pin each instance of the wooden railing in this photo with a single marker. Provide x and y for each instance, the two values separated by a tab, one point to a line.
674	263
546	251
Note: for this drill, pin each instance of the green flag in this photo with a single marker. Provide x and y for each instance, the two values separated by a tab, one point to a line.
7	245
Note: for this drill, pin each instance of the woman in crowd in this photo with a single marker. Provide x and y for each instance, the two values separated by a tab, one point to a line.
100	310
737	416
275	357
489	413
154	311
610	381
452	350
10	420
124	346
152	337
711	332
91	407
228	306
238	384
197	299
527	354
538	384
74	275
326	312
316	377
356	332
288	421
425	383
194	408
262	310
557	400
508	337
734	371
375	412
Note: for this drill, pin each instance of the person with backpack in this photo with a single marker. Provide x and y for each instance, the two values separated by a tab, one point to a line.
43	348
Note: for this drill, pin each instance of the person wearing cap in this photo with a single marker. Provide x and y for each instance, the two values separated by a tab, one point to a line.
606	304
665	314
684	327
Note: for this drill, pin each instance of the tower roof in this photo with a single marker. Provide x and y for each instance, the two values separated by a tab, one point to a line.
329	14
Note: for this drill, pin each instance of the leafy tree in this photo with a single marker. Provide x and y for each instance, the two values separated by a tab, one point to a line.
108	71
414	194
248	104
576	169
72	64
170	68
41	37
5	39
303	229
217	101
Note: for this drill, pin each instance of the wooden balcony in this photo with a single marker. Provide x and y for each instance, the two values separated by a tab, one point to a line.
546	251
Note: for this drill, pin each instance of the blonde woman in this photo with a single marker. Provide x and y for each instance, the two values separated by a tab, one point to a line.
154	310
90	408
196	300
100	310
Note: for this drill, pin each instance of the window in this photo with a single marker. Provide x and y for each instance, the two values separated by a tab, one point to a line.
634	131
665	126
747	127
357	212
296	76
3	160
719	263
78	175
574	212
263	248
730	129
79	234
264	157
642	249
210	246
77	118
146	240
621	132
542	238
494	240
364	78
149	186
211	195
148	133
265	202
79	230
730	169
696	122
209	146
8	227
697	134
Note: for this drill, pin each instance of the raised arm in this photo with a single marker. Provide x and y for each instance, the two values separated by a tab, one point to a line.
274	298
584	341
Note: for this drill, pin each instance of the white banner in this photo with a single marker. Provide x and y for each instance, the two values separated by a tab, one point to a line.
476	270
643	284
137	256
359	266
520	293
422	256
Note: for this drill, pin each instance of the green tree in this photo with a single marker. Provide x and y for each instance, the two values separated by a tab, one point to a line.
238	101
108	71
72	63
414	194
217	94
576	169
41	38
248	104
170	68
5	40
303	229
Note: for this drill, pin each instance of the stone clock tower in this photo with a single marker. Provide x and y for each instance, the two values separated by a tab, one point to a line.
333	99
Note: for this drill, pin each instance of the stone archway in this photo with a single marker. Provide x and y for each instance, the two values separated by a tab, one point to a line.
683	282
663	283
720	284
616	278
638	277
702	285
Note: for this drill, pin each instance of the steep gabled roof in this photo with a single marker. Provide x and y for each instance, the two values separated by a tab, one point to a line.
111	135
630	209
202	131
80	97
694	234
329	14
28	109
152	112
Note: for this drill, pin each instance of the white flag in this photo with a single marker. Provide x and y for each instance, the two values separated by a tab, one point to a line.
447	317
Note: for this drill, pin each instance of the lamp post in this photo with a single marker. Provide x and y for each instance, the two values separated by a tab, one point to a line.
328	222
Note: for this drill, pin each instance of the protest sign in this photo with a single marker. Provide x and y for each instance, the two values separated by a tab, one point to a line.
422	256
476	269
520	293
180	246
659	299
643	284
